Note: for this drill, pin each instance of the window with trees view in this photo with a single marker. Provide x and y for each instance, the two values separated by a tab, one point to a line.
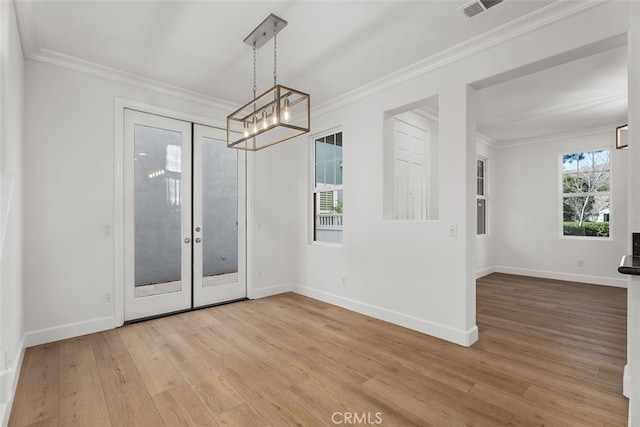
327	190
586	193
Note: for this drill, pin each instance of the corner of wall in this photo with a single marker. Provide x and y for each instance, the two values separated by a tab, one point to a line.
456	336
9	384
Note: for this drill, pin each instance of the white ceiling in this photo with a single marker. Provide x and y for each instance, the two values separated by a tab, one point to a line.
328	49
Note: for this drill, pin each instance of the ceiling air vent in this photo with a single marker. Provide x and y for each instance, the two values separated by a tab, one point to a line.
476	7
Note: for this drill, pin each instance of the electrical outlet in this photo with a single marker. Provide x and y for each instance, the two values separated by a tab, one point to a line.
580	263
344	280
107	297
107	230
453	230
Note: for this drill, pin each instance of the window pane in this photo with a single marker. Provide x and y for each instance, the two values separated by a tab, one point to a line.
482	215
570	163
338	168
328	216
320	175
330	170
158	210
480	169
586	216
480	186
321	151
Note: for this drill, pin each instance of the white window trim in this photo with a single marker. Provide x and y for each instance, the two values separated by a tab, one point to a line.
560	212
313	189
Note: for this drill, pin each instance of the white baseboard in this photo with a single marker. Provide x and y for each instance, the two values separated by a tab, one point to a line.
272	290
457	336
485	272
9	384
70	330
569	277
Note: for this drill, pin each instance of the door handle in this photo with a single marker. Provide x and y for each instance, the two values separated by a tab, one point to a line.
198	240
187	240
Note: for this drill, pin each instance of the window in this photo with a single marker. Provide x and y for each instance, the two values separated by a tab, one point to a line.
481	196
327	189
586	193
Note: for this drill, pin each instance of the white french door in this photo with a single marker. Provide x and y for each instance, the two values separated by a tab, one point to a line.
219	265
184	226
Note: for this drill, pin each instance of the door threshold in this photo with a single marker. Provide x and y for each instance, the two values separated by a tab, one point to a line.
158	316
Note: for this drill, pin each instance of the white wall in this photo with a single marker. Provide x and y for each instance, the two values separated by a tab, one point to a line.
527	213
413	273
69	199
11	207
485	250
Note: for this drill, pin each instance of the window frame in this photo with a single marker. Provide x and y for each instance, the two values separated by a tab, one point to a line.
483	196
314	190
562	194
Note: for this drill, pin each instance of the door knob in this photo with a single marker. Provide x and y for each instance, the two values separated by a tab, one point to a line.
198	229
198	240
187	240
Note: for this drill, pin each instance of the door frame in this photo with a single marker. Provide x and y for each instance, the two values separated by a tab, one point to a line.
120	104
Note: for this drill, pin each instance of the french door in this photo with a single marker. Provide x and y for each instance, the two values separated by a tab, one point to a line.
184	224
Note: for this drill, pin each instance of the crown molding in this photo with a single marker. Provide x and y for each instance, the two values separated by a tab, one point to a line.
542	17
27	17
51	57
486	141
558	109
558	137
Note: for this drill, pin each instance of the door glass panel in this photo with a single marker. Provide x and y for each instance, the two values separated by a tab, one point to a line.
157	211
220	213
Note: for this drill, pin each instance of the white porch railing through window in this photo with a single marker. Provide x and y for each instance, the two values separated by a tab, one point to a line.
329	227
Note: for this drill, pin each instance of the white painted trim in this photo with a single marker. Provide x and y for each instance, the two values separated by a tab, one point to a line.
457	336
485	140
26	13
485	271
540	18
9	384
70	330
558	137
273	290
120	104
626	381
557	275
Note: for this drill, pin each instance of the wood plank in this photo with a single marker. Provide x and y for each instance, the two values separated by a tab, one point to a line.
549	353
179	406
127	397
156	370
38	395
82	401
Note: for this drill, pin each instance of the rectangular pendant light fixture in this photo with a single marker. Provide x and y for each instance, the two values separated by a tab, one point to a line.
278	114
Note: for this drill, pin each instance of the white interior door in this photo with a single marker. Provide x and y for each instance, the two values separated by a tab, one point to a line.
157	223
219	206
410	171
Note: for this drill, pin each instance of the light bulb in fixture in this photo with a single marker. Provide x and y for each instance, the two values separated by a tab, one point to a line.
254	126
246	129
264	120
274	115
286	114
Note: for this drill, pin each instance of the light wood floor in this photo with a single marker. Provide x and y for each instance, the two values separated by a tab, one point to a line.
550	353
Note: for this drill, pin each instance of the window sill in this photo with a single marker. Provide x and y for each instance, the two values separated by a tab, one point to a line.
590	238
327	244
